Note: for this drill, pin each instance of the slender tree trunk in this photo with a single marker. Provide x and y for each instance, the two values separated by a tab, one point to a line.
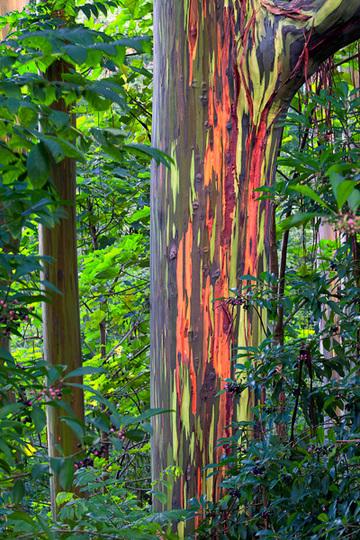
225	73
61	318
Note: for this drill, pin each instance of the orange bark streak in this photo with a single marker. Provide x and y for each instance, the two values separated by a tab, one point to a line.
183	323
220	166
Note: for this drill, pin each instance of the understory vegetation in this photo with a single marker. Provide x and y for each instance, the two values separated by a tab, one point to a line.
290	473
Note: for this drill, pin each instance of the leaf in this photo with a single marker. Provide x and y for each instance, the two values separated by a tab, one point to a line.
39	470
108	273
66	474
18	491
38	166
297	220
152	412
5	355
5	466
354	200
54	148
64	469
75	425
342	190
6	451
154	153
136	435
20	516
77	53
139	44
28	116
63	497
10	408
140	215
309	192
59	118
85	370
39	418
342	187
324	518
48	285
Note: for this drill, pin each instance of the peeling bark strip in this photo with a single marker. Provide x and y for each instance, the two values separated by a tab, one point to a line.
225	72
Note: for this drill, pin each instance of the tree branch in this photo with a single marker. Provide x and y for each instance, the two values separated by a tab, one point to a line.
325	26
335	24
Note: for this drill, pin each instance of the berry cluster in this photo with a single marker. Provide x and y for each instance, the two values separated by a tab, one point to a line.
12	313
103	451
47	394
258	471
235	492
233	387
84	463
52	392
120	433
349	224
239	300
320	450
305	356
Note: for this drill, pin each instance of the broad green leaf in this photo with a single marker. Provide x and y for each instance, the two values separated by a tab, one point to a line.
135	435
140	215
342	190
38	166
108	273
59	118
53	147
20	516
341	185
66	474
64	497
354	200
154	153
309	192
28	116
5	355
85	370
297	220
39	418
75	425
77	53
18	491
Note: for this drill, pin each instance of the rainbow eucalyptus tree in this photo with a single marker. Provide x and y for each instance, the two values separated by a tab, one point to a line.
225	73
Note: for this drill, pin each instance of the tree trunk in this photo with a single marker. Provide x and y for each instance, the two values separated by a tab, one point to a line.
61	318
225	73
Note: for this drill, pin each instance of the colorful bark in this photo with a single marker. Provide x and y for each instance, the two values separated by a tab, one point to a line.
225	72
